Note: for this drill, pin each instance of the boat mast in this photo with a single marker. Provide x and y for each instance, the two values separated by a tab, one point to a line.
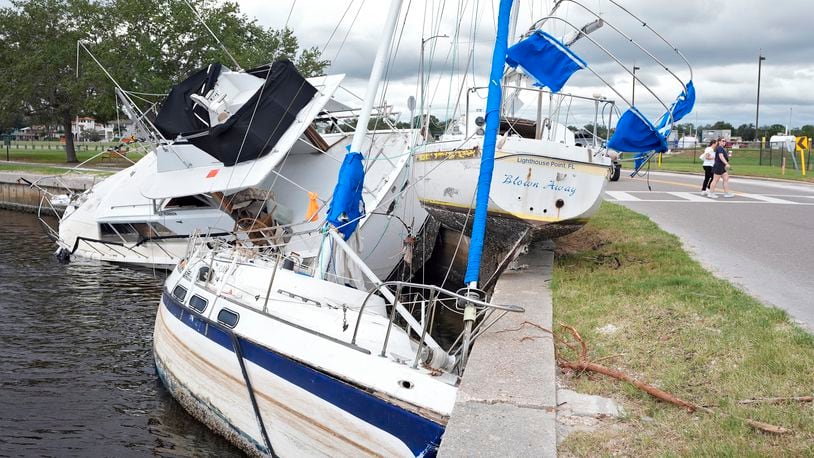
375	76
487	165
493	101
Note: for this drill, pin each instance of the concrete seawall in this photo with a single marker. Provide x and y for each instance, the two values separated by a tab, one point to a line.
507	402
17	194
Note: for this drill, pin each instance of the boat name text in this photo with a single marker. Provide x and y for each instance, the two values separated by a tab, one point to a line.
552	185
546	163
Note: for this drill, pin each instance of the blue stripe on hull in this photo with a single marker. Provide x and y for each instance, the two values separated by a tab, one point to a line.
422	436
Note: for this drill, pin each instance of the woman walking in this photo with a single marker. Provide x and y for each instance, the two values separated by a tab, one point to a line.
720	170
708	156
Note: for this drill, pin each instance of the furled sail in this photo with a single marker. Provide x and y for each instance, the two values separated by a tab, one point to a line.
347	206
635	133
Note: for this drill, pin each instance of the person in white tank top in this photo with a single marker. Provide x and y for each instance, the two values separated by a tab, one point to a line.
708	156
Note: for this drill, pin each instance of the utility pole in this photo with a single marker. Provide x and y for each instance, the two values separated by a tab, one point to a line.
633	94
760	60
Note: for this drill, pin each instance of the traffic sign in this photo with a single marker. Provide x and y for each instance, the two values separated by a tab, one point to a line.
802	143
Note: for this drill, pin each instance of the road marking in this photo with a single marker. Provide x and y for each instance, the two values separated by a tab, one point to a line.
690	196
622	196
772	200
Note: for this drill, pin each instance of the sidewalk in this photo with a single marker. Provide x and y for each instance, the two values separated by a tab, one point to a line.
507	402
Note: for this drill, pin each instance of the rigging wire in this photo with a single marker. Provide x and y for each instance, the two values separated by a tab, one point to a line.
290	11
345	38
222	46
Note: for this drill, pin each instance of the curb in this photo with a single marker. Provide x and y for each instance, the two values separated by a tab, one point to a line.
507	402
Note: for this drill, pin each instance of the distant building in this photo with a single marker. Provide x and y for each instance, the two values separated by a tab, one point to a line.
85	124
714	134
687	142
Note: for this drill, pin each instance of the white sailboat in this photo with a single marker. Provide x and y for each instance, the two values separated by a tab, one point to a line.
235	148
547	182
285	359
288	358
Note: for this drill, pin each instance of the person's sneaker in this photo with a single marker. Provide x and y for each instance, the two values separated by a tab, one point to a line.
712	195
729	194
704	192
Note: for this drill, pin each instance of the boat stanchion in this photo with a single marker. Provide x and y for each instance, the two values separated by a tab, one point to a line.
470	315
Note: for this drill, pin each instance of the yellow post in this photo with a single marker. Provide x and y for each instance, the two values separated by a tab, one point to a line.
783	166
660	154
802	144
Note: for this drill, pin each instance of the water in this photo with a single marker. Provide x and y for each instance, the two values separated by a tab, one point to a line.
77	376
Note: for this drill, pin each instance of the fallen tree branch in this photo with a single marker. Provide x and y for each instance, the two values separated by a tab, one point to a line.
649	389
777	400
583	364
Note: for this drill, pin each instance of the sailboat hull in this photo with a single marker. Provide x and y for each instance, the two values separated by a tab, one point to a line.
305	411
551	195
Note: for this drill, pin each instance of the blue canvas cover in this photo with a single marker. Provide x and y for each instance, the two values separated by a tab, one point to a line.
347	206
681	107
634	133
487	161
545	59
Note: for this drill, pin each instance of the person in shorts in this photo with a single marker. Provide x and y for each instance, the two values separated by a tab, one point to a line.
720	170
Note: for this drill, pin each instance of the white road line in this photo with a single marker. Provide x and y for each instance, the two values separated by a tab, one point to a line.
622	196
690	196
772	200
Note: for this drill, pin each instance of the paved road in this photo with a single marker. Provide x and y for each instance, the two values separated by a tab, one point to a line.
762	239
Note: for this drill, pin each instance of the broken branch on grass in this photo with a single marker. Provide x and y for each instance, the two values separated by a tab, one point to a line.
583	364
777	400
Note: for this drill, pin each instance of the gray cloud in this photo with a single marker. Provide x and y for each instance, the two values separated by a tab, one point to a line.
720	38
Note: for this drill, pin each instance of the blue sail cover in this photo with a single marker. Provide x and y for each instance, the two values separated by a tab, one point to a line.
347	206
545	59
681	107
634	133
487	161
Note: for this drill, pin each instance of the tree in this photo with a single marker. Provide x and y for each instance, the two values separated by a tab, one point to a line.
601	131
147	45
92	135
775	129
722	125
37	55
745	131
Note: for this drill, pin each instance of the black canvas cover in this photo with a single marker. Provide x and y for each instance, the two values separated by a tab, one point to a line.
274	106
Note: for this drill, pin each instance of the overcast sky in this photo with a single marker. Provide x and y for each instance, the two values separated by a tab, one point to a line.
720	38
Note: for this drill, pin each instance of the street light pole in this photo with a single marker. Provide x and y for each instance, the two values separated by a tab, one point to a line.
633	94
421	75
760	60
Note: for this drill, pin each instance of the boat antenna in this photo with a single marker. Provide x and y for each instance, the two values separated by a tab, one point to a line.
200	19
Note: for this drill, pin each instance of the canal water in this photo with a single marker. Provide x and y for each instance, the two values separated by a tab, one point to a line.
76	368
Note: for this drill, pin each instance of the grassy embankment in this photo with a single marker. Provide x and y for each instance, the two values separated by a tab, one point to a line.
684	331
745	162
49	157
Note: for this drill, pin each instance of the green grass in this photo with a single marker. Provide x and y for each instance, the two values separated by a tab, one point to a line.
684	331
43	169
54	152
745	162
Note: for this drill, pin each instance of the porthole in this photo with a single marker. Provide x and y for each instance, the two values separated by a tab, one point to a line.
228	318
198	303
559	203
180	293
406	384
